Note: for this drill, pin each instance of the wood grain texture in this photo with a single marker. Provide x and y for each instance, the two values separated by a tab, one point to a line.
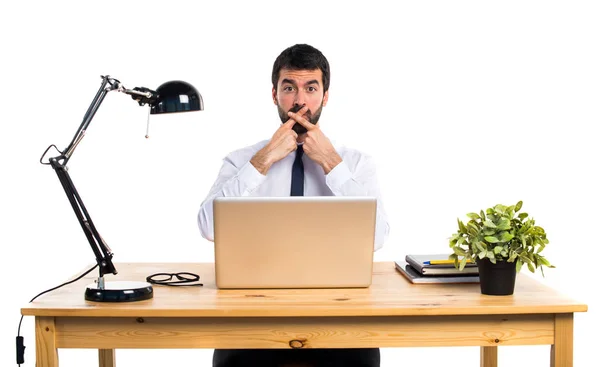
106	358
561	352
489	357
389	295
45	343
308	332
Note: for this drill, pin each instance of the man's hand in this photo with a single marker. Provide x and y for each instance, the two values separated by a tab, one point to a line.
281	144
316	145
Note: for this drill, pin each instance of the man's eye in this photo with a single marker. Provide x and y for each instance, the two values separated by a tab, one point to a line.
311	89
288	89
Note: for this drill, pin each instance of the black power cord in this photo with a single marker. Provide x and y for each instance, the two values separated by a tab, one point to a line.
20	340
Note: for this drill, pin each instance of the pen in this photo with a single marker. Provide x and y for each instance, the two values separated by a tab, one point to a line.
441	262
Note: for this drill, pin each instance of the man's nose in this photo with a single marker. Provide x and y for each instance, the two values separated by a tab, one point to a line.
300	99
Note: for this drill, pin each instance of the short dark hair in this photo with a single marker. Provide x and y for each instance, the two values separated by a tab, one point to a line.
301	57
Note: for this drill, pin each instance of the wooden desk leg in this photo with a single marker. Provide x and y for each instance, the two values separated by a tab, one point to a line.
46	353
561	353
488	357
107	357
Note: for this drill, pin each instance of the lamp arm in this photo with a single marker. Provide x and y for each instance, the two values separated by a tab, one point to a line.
59	164
103	253
108	84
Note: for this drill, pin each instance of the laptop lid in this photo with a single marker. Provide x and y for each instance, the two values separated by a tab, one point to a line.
294	242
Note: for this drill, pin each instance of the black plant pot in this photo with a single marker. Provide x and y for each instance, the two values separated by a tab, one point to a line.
497	279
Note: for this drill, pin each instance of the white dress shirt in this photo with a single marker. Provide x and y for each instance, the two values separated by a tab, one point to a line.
354	176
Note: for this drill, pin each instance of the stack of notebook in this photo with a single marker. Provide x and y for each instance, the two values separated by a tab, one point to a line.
436	269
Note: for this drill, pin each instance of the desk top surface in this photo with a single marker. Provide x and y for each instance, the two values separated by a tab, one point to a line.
389	295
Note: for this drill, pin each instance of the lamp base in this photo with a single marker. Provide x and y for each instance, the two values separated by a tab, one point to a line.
119	291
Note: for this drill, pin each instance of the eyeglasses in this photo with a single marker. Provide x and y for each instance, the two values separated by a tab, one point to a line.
182	279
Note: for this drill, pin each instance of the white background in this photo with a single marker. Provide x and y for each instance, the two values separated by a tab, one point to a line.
463	104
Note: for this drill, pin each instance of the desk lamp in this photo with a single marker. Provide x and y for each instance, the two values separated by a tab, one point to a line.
173	96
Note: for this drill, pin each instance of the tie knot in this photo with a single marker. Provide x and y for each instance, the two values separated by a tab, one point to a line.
299	152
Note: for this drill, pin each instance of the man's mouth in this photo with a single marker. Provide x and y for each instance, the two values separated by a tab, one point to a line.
306	115
296	109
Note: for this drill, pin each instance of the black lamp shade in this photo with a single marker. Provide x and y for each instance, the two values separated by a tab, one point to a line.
176	96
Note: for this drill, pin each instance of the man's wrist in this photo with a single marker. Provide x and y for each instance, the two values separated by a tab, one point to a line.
331	162
261	162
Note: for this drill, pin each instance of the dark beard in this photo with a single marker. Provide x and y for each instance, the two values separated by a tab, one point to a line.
299	129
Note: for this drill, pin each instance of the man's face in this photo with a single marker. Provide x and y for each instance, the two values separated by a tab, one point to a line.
296	88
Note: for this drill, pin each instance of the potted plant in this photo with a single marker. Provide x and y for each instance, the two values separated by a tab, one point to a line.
500	240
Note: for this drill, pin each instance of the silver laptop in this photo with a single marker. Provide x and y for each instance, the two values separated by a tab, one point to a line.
294	242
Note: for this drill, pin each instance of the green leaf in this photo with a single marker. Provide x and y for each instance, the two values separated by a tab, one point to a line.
491	239
531	268
518	206
459	251
461	226
504	224
498	249
523	215
482	214
473	216
525	259
506	236
519	265
523	240
500	208
489	223
463	262
544	261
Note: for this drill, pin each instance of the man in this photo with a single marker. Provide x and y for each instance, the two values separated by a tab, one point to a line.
298	160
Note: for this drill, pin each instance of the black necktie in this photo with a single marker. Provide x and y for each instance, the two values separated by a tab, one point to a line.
298	174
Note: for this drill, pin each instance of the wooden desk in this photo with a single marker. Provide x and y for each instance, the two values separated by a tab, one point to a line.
391	313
